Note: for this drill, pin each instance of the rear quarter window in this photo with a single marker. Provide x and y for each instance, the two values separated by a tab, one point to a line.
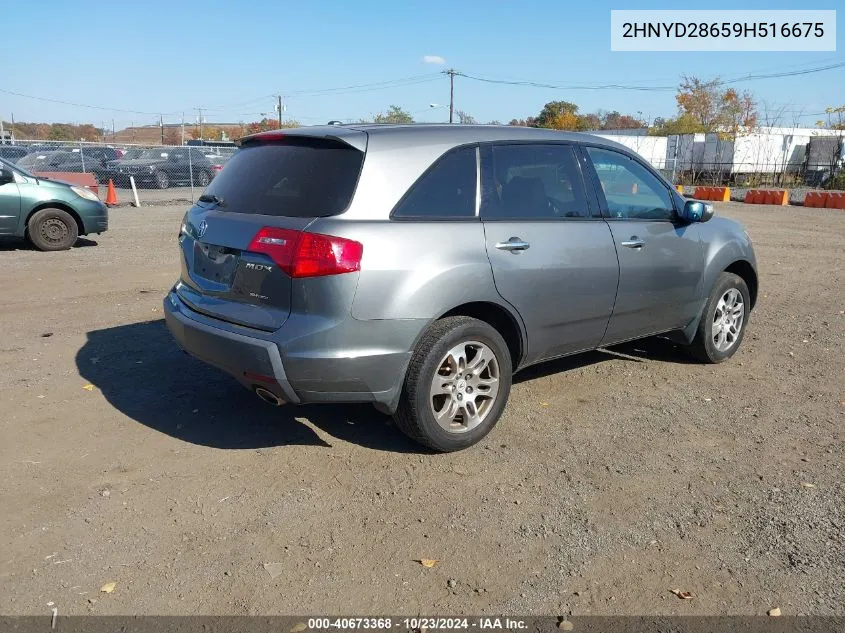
296	178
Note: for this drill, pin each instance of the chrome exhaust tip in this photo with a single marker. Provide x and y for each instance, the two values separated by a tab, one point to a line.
269	397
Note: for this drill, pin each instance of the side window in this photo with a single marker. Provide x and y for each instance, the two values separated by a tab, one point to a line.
446	191
534	182
630	189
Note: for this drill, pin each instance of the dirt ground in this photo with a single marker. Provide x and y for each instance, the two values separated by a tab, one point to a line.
613	477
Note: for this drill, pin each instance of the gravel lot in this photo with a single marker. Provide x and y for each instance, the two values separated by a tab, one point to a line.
613	477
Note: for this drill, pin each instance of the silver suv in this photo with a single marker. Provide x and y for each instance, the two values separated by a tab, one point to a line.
418	267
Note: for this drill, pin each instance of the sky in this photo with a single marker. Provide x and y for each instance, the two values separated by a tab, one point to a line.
134	61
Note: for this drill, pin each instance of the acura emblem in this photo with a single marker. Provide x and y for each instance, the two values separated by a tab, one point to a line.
202	228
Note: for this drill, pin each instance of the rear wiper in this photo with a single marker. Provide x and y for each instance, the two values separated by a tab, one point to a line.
210	197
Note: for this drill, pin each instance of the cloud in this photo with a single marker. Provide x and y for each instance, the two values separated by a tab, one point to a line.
433	59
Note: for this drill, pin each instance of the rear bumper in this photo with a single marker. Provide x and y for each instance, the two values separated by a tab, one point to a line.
312	361
241	356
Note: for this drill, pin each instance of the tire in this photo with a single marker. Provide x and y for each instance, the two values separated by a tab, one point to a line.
203	179
706	347
52	230
479	341
162	180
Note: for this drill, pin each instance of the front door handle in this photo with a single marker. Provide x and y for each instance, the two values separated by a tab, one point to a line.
634	242
514	245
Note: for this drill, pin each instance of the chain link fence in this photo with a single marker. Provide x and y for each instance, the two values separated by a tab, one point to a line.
152	172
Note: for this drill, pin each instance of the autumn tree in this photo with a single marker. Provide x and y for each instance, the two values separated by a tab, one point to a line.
394	114
835	118
61	132
266	124
683	124
716	109
589	122
616	121
465	118
558	113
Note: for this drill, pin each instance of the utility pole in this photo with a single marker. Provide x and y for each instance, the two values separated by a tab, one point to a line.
183	128
200	121
280	111
451	72
112	131
12	128
161	126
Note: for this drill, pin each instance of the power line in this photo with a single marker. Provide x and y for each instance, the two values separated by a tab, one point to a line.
80	105
646	88
379	85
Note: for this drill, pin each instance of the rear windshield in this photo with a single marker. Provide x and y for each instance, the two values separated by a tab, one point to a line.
297	178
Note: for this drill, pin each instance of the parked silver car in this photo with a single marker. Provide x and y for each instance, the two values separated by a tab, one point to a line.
418	267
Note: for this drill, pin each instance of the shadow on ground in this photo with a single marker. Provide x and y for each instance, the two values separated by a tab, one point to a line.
143	374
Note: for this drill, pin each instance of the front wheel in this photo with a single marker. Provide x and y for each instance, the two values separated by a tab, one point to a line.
457	384
52	230
724	320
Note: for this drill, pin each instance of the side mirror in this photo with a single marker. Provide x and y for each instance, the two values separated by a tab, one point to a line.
6	176
695	211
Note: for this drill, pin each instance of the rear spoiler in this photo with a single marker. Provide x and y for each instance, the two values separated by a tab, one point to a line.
354	138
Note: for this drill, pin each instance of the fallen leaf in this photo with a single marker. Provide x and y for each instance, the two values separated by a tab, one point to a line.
108	587
683	595
88	387
807	484
565	625
773	612
544	404
428	562
274	569
299	627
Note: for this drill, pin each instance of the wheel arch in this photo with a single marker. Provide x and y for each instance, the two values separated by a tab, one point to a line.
743	268
503	320
63	206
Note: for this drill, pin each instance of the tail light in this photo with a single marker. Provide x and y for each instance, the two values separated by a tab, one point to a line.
308	254
216	168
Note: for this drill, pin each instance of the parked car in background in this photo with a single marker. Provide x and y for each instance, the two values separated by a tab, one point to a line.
163	168
220	158
50	214
65	161
13	153
125	154
421	278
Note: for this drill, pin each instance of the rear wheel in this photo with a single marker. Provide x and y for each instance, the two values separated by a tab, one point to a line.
52	230
162	180
723	323
457	384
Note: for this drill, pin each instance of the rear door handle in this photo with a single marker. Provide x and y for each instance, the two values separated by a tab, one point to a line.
514	244
634	242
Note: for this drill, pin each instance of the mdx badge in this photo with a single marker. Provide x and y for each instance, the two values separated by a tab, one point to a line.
251	266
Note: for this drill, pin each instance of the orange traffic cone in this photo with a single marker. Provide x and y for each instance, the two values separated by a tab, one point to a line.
111	196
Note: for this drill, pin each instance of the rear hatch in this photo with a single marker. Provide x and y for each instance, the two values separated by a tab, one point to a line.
244	241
